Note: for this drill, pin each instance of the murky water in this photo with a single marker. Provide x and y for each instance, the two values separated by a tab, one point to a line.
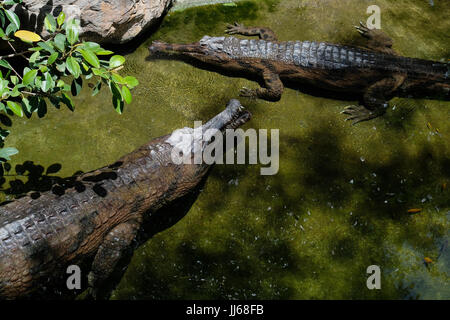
339	202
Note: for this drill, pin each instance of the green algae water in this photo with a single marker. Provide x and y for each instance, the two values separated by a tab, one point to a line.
340	200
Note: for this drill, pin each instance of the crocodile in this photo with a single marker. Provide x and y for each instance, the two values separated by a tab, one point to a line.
99	224
373	74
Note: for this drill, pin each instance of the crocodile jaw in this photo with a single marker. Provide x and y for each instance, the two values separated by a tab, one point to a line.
189	140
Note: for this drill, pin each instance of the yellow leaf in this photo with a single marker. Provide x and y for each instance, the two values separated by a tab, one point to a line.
27	36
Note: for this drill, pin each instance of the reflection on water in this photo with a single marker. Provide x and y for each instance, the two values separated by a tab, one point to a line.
339	202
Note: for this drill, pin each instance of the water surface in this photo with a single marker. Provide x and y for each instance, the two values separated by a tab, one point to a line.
339	202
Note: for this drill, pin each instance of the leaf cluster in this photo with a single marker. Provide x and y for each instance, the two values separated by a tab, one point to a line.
54	70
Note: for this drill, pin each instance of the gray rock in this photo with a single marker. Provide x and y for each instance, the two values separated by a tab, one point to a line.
103	21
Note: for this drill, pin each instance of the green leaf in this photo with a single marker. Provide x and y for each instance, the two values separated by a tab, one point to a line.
11	2
67	101
38	81
72	31
116	61
35	49
77	85
29	77
126	94
96	88
73	67
43	68
10	29
34	57
52	58
14	80
3	85
6	153
26	104
85	68
103	52
92	46
90	57
61	18
50	23
48	83
47	46
117	78
118	104
15	107
15	92
60	42
100	73
2	18
117	98
5	64
61	67
55	101
115	90
13	18
131	82
89	76
42	107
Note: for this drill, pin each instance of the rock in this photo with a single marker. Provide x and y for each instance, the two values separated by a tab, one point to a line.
107	21
184	4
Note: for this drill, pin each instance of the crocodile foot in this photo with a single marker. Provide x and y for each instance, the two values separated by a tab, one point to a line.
377	39
359	113
248	93
363	30
237	28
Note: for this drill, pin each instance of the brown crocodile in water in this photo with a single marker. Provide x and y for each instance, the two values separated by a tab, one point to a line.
100	225
374	74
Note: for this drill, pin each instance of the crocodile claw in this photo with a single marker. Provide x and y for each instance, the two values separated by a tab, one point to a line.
363	29
358	114
248	93
234	29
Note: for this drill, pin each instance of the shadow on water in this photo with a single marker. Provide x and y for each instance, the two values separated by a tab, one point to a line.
33	179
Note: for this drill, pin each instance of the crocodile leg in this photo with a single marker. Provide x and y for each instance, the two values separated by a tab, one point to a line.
272	91
375	99
111	260
262	33
377	39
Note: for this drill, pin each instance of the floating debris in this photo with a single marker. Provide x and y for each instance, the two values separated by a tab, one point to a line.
414	210
427	260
